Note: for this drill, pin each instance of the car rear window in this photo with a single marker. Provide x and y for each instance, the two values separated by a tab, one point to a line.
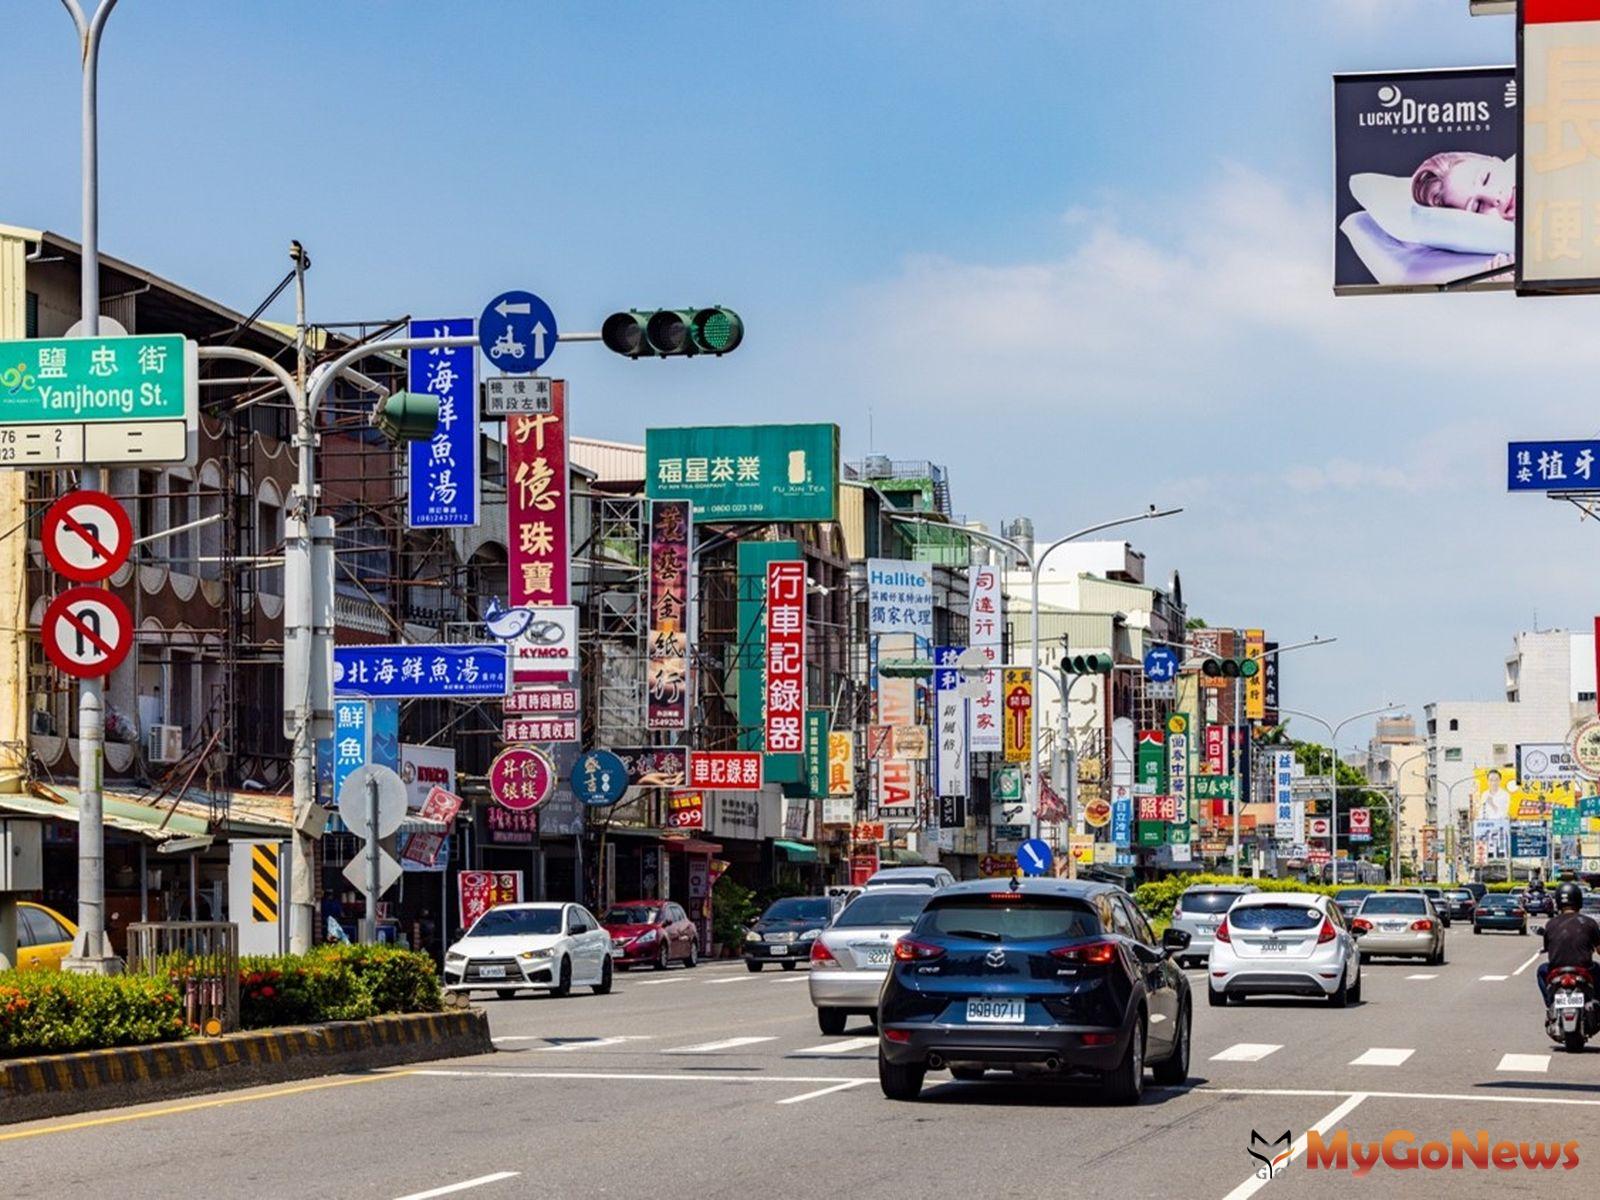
1407	905
878	910
1207	902
1498	902
799	908
1274	916
631	914
1007	918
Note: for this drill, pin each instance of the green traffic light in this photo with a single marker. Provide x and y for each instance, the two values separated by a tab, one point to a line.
717	330
1248	667
623	333
668	333
672	332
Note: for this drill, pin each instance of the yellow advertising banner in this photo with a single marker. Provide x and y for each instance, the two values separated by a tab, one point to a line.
1016	693
841	763
1255	688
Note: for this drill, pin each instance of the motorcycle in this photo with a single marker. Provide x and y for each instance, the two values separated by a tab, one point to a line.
1573	1016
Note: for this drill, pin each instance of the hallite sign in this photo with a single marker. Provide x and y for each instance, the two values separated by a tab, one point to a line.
97	400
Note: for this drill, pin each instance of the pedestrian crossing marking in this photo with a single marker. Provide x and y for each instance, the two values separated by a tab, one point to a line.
1246	1052
1380	1056
1424	976
264	884
724	1044
1492	978
844	1047
1525	1062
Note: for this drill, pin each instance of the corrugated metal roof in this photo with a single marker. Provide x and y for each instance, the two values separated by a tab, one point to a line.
249	813
611	462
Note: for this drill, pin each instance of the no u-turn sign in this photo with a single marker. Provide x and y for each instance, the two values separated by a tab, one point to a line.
87	632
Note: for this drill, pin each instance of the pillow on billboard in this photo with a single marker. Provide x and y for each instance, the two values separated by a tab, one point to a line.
1388	199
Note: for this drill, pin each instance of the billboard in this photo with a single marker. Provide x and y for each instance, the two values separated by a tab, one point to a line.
1425	179
443	470
1558	163
986	623
1255	688
669	601
900	597
747	472
538	511
785	689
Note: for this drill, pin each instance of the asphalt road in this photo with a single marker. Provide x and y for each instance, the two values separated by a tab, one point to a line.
716	1082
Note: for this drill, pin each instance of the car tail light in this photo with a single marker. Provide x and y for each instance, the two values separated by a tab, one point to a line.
906	950
821	956
1422	926
899	1036
1361	924
1327	933
1222	934
1517	912
1099	1039
1092	953
1567	981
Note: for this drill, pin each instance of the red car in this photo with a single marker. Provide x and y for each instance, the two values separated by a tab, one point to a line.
657	932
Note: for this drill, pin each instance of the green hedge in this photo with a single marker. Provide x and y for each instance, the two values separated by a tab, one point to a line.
1158	898
335	983
51	1012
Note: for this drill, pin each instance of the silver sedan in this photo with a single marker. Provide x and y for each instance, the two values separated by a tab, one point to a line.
1402	924
850	958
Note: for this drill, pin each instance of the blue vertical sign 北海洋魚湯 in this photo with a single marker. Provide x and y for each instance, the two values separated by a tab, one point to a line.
443	471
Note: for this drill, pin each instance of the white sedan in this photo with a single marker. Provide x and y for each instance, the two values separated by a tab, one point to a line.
515	946
1284	944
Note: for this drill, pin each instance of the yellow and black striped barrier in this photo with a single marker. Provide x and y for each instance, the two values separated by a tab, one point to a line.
264	884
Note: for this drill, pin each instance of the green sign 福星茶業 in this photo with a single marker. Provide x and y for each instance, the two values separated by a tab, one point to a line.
747	472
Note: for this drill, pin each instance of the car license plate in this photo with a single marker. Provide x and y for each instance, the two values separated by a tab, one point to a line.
996	1012
492	972
1274	946
779	949
1391	926
878	956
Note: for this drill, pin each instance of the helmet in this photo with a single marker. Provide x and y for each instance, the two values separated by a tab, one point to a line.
1569	895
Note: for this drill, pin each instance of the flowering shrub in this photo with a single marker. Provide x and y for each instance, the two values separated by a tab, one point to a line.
400	981
50	1012
299	990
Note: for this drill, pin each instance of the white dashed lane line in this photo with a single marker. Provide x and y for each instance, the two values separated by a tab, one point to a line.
844	1047
1538	1063
1422	977
1535	957
1381	1056
1493	978
724	1044
1246	1052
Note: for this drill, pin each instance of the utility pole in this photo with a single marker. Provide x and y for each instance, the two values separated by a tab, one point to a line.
91	949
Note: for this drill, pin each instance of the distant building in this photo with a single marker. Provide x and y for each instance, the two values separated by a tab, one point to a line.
1396	759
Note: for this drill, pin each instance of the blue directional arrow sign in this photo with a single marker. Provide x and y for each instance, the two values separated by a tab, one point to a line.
518	332
1035	857
1160	665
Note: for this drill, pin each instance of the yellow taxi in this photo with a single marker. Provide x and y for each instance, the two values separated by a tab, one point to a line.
44	936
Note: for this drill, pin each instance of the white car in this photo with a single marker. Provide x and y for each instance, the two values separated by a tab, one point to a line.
516	946
1284	944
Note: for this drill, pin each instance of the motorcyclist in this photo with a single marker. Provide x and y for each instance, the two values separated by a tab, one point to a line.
1570	938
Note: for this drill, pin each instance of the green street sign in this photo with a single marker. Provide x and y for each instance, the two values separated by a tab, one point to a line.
747	472
1152	833
111	399
1212	787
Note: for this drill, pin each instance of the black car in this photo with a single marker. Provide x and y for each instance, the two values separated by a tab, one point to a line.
1460	902
1498	910
1036	976
1349	899
784	933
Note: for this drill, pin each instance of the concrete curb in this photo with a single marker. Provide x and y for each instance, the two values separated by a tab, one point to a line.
58	1084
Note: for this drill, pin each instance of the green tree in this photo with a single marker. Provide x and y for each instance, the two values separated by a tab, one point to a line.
1353	793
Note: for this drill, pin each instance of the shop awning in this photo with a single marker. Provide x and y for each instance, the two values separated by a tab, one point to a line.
692	845
796	851
165	820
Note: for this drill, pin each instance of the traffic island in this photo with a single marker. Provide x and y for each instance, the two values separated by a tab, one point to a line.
59	1084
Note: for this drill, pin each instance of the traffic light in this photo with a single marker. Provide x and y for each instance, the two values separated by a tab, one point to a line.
1086	664
407	416
1230	668
672	332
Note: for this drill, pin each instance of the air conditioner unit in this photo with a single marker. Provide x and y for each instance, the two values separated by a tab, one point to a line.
166	744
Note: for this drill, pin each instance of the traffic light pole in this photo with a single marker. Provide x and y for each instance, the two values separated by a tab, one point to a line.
1333	774
91	948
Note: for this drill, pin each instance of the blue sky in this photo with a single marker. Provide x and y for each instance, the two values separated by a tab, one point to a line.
1077	251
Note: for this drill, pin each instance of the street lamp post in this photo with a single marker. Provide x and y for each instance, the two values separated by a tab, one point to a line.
1333	772
1451	849
1035	562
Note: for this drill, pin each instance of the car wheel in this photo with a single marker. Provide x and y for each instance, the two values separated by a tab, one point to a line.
1174	1071
967	1074
1366	958
663	958
1124	1083
1217	999
832	1020
694	955
900	1082
564	988
752	965
1477	929
1355	990
603	988
790	964
1341	994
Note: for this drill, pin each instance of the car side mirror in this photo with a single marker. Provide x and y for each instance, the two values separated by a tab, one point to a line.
1357	932
1174	941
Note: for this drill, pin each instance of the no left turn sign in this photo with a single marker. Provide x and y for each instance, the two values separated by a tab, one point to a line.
87	632
86	536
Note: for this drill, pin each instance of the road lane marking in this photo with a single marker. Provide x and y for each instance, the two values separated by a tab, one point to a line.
647	1076
1381	1056
725	1044
1422	977
796	977
844	1047
732	979
199	1104
592	1043
1533	958
1493	978
1246	1052
1252	1185
668	979
1524	1062
1542	1098
838	1087
450	1188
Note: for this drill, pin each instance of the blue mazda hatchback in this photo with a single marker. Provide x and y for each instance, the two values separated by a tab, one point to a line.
1044	978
